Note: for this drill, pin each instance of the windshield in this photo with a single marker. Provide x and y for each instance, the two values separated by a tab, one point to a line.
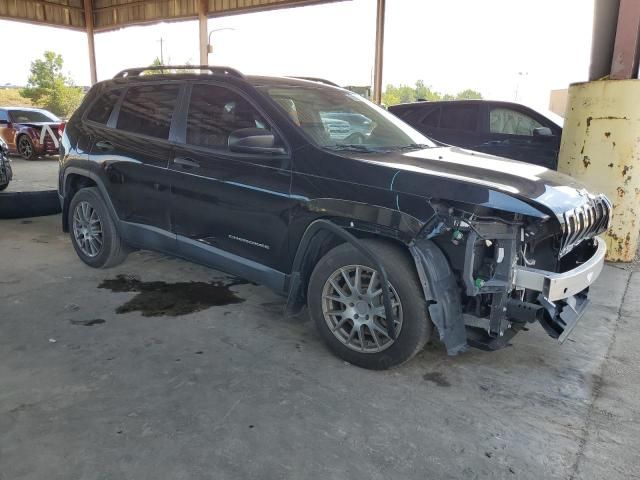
32	116
339	119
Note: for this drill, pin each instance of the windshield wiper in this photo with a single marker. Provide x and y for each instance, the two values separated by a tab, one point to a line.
414	146
352	147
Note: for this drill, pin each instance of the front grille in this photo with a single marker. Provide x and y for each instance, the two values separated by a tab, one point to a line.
585	221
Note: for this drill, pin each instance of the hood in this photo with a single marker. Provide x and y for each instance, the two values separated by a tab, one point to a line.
545	189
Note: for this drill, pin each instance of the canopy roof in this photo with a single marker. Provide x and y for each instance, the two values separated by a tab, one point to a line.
113	14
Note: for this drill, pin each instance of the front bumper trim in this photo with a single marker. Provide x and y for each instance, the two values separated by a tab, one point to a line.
558	286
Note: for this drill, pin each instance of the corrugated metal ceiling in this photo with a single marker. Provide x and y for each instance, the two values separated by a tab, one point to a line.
112	14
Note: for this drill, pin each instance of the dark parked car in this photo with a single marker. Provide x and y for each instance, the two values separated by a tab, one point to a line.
6	173
499	128
381	240
30	132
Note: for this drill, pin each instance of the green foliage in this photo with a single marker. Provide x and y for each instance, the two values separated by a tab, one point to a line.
50	88
469	94
407	94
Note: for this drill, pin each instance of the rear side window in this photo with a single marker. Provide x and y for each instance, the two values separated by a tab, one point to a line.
432	119
215	112
147	110
101	109
460	117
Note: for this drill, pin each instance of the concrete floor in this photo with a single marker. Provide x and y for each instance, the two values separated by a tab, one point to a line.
34	175
239	392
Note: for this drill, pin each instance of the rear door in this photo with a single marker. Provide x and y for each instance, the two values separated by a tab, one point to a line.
236	202
133	151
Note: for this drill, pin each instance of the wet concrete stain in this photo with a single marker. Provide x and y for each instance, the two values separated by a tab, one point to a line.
88	323
159	298
438	378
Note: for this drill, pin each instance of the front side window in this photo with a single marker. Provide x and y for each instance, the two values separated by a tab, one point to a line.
32	116
101	109
338	119
511	122
147	110
215	112
460	117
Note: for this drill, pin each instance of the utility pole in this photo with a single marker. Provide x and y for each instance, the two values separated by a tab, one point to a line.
161	51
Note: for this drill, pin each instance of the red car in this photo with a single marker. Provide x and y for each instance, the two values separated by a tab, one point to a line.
30	132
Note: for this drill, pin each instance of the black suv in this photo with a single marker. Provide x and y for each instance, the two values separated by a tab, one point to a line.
506	129
381	235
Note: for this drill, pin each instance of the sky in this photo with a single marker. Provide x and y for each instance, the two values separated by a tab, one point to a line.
506	49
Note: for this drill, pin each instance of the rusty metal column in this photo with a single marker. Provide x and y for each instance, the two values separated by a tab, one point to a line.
88	22
377	69
600	137
203	7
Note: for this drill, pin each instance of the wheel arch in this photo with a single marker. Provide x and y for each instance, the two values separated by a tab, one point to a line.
76	179
321	236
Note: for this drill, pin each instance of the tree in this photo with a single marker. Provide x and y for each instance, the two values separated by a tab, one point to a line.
406	94
50	88
469	94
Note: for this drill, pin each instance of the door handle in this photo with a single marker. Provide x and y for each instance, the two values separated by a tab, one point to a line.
186	162
104	146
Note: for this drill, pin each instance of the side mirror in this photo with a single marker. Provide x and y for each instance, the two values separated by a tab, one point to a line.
542	132
254	140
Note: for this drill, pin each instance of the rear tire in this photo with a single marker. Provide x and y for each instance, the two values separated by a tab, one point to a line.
25	148
369	347
93	232
3	186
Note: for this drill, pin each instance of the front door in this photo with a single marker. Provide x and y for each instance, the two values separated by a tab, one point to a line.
223	201
512	134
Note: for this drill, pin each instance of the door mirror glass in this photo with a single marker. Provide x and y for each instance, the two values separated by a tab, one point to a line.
542	132
253	140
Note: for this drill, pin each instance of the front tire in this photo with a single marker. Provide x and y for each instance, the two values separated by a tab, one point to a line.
345	301
26	148
93	231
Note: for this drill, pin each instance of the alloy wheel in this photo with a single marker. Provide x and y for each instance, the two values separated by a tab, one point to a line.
25	148
87	229
354	312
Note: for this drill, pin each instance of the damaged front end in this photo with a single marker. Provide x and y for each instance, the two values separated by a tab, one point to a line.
508	272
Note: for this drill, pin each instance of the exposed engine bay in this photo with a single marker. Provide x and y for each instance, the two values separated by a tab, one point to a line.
509	268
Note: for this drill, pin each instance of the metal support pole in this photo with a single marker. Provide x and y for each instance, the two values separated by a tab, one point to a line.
377	73
203	6
624	64
88	22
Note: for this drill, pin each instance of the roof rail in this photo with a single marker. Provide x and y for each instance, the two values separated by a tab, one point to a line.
215	70
319	80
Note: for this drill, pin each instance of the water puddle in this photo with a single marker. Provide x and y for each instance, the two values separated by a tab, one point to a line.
157	299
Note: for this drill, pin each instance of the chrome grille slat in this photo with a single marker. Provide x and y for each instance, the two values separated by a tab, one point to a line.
585	221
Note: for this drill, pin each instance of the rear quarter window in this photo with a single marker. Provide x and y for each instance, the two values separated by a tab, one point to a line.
101	109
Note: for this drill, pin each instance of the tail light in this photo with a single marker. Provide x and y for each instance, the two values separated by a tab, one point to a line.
61	128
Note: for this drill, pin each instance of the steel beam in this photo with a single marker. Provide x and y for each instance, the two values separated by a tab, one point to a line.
624	64
203	7
88	21
377	69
